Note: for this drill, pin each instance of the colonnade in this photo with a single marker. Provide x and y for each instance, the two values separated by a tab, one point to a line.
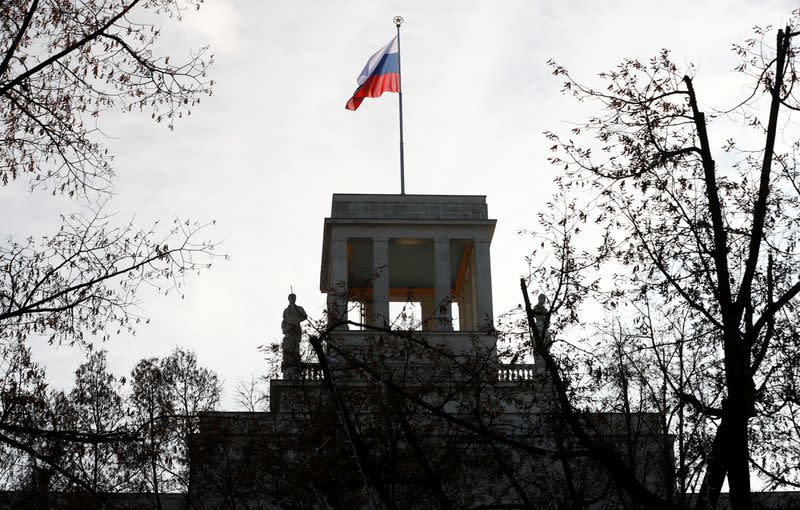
475	313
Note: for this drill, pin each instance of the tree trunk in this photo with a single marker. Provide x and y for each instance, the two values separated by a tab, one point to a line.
716	468
739	466
738	411
153	465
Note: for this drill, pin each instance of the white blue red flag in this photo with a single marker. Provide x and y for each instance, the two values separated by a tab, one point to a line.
381	74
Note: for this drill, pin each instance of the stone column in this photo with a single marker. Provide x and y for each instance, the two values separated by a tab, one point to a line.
484	318
367	311
442	289
428	310
380	286
337	293
467	297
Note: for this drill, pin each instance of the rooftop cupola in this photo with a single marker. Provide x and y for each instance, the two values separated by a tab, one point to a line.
426	249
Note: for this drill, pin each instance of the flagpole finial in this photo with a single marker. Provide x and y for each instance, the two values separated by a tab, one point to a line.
398	20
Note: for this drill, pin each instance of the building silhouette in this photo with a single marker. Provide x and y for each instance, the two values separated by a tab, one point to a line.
412	410
399	397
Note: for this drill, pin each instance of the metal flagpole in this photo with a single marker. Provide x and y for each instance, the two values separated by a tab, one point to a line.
398	20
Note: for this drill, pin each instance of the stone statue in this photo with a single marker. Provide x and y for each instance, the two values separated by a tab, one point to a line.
293	316
540	315
539	310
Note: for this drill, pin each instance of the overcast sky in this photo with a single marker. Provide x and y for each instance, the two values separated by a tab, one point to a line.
264	153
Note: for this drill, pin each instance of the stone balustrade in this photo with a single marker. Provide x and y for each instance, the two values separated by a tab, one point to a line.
516	372
505	373
310	372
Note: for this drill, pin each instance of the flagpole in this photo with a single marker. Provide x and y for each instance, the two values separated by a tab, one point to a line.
397	22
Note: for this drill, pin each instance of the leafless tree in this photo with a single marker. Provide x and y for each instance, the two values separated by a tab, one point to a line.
705	236
152	411
62	65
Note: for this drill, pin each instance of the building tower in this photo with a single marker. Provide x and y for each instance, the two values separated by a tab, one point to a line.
428	249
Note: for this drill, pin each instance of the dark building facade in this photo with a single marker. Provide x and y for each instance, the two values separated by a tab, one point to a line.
416	415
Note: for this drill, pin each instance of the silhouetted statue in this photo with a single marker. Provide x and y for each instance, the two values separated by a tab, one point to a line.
540	316
539	311
293	316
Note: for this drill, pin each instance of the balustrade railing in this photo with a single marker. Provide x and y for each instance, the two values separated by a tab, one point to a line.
516	372
310	372
505	373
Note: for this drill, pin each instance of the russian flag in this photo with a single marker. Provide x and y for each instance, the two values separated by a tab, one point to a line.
381	74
